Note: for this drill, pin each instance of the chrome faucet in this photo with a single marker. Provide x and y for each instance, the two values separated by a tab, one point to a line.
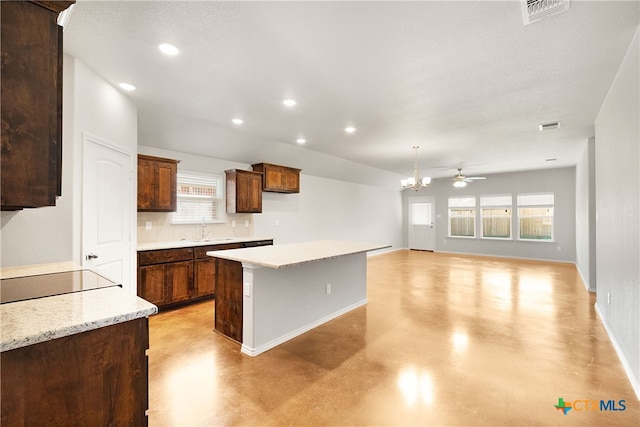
202	230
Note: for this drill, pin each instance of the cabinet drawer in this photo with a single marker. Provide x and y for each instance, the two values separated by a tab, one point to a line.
165	255
201	251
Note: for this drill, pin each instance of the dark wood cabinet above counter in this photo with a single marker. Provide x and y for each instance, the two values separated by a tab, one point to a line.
278	179
244	191
31	110
157	184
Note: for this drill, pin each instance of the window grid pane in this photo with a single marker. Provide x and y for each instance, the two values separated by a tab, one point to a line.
496	223
199	199
536	223
462	222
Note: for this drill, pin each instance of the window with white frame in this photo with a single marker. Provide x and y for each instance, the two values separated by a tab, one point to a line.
495	211
462	216
535	216
200	199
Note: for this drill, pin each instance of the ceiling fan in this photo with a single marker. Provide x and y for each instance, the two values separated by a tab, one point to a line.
460	180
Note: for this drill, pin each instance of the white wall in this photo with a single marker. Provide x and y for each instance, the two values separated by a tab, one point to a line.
335	210
618	212
53	234
324	209
585	216
45	235
560	181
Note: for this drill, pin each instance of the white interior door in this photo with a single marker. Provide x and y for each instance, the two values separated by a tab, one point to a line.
107	210
421	223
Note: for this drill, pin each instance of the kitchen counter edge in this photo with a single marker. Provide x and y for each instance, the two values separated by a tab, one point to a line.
152	246
291	254
42	319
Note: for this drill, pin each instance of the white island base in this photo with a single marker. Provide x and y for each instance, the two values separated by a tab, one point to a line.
283	299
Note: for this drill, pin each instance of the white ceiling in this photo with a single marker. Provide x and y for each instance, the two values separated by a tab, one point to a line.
467	81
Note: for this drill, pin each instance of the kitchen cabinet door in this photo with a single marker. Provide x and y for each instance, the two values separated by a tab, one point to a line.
205	277
291	180
179	280
278	179
157	184
151	285
244	191
31	110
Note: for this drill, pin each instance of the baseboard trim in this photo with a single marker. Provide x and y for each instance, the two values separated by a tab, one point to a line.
635	382
306	328
584	282
557	261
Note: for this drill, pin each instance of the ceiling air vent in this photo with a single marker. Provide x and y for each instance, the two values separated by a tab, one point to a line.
549	126
535	10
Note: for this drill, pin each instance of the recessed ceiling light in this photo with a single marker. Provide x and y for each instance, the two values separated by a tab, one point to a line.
301	140
127	86
237	121
350	129
289	102
168	49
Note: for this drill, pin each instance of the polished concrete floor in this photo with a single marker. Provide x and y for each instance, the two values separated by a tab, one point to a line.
445	340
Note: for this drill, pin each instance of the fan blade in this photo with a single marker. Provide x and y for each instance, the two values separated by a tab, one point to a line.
476	177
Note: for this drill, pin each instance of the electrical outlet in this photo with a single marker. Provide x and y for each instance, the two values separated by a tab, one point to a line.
277	222
327	288
559	248
148	225
246	223
233	223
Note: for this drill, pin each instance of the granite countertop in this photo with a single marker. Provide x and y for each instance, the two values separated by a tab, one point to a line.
286	255
201	242
42	319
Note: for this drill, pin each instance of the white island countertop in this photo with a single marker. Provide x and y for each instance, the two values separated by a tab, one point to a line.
290	254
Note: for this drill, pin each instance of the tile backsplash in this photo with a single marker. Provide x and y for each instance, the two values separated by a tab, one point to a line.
236	225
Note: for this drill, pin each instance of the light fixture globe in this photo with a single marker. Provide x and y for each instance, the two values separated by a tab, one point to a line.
415	182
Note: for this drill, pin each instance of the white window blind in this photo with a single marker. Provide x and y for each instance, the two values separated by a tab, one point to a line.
200	198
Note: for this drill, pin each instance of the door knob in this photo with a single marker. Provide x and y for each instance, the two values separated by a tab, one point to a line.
92	256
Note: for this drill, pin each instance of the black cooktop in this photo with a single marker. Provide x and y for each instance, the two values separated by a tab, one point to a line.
46	285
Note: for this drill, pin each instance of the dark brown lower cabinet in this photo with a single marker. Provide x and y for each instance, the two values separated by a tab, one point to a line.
179	279
228	313
165	284
170	277
204	271
94	378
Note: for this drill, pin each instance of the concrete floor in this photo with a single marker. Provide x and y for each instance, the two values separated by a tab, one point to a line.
445	340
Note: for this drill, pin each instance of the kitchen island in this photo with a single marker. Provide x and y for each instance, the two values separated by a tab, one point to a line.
73	349
268	295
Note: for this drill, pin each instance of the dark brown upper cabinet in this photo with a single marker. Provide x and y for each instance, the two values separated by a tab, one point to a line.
157	184
244	191
31	105
278	179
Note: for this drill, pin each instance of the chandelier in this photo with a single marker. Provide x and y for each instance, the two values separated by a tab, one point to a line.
415	182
